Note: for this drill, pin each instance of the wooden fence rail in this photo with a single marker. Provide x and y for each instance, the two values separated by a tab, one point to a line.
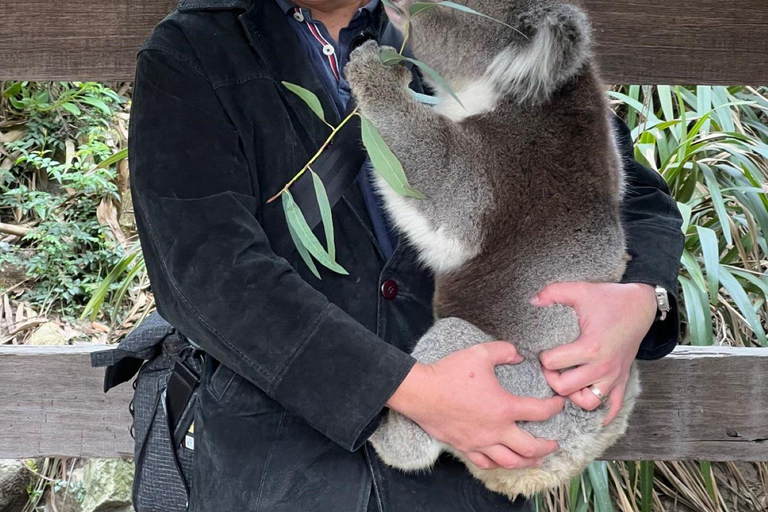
638	41
699	403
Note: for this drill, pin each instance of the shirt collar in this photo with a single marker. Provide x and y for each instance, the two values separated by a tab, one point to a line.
288	6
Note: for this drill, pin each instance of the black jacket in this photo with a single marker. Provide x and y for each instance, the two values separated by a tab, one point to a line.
301	368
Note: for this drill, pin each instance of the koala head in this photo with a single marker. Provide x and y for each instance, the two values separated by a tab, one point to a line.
531	48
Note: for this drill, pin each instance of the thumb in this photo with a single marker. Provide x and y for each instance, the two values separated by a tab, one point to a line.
566	294
501	352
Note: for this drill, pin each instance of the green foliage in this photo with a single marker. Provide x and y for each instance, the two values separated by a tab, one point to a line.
711	146
61	167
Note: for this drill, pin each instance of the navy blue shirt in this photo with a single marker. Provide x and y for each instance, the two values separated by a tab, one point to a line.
328	58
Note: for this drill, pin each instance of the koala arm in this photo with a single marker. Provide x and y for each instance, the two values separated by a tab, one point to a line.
435	152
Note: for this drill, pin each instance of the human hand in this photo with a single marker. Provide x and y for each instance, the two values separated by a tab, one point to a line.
458	401
614	318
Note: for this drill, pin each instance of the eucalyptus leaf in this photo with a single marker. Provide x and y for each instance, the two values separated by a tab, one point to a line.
303	252
325	213
391	57
310	98
419	7
385	162
304	235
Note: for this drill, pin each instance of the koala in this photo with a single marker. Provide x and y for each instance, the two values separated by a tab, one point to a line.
523	183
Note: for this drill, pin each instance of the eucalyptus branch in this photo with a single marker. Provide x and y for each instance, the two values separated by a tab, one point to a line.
334	132
315	157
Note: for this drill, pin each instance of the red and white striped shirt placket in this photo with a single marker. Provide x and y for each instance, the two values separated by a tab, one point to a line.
328	49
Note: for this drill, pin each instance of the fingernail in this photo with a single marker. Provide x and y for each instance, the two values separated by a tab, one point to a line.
535	300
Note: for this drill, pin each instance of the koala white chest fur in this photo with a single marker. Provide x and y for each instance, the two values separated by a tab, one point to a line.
523	181
438	249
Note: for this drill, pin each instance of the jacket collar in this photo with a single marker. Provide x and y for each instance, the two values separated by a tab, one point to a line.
213	5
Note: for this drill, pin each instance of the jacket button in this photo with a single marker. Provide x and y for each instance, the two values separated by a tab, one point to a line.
389	289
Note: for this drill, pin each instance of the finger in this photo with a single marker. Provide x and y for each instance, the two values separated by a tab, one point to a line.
534	409
525	445
550	375
506	458
567	294
571	381
480	460
583	350
616	400
501	352
585	399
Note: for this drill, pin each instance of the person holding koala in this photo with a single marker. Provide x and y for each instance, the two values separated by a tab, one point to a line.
299	370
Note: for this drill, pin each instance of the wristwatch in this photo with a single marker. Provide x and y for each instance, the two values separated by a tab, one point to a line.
662	303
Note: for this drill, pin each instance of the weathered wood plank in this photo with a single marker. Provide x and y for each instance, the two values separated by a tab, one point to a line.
638	41
699	403
51	403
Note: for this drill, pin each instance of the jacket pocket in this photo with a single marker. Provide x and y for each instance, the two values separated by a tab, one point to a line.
237	395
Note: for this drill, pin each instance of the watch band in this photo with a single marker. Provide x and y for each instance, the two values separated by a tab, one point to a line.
662	303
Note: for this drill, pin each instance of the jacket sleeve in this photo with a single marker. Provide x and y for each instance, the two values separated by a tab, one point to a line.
652	225
215	276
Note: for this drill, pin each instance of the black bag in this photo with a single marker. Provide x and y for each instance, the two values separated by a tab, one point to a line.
168	368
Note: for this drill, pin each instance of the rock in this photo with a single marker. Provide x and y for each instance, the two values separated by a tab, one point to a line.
105	485
49	334
14	479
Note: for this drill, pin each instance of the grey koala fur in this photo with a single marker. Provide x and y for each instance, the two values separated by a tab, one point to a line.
523	183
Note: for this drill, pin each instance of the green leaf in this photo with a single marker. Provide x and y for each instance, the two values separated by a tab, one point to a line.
686	211
711	250
419	7
598	475
391	57
697	310
740	297
120	155
95	102
325	213
12	90
709	480
646	485
717	201
574	490
303	252
665	97
385	162
304	235
694	271
102	291
310	98
72	108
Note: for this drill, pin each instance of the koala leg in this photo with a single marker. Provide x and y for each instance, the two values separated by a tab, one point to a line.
404	445
400	442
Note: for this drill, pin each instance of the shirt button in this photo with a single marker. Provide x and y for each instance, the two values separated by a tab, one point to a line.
389	289
298	16
328	50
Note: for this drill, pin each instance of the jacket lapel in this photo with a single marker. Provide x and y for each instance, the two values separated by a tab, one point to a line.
272	38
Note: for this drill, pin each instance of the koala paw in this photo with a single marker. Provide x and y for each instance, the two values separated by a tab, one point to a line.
370	78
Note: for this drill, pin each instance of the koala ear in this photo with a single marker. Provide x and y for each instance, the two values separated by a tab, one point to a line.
557	46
